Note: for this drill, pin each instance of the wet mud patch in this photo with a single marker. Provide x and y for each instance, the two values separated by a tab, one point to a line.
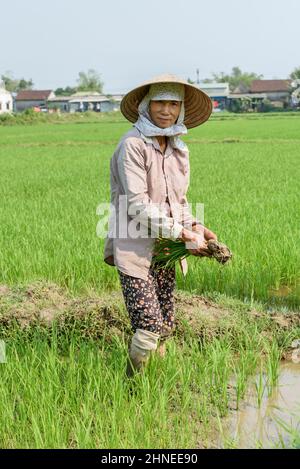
271	420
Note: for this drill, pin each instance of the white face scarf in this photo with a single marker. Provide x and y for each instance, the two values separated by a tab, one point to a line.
161	92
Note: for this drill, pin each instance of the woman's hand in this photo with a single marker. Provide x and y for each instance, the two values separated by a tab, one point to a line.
208	234
195	242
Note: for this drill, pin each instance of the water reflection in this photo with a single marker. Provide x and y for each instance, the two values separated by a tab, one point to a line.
255	426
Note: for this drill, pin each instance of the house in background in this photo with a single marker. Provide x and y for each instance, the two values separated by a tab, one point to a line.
27	99
218	92
242	100
276	91
260	95
59	103
238	102
6	100
83	101
92	101
116	100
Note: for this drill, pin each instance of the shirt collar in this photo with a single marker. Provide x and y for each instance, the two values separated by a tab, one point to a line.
153	141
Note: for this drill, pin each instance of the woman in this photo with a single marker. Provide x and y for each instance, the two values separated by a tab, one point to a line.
149	179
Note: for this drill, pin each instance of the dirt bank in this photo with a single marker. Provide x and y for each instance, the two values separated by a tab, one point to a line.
40	303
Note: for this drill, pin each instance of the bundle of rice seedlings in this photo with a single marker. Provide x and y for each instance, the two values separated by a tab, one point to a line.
167	252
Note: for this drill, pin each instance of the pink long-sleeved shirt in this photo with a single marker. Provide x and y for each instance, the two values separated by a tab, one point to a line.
151	187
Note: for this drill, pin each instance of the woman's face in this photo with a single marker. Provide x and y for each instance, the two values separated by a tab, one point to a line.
164	113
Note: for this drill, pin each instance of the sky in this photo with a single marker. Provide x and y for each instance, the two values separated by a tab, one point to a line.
131	41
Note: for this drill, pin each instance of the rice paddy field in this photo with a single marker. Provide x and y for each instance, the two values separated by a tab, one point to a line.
244	170
62	317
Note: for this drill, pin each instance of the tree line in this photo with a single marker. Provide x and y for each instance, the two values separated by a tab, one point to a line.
92	81
87	81
239	78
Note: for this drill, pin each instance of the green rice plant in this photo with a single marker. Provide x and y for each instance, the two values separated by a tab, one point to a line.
240	386
226	441
273	359
219	362
168	252
260	386
244	366
61	388
82	399
292	431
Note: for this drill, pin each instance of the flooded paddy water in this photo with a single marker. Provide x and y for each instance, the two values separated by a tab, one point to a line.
269	416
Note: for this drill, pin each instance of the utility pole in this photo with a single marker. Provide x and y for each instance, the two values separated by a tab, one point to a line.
198	81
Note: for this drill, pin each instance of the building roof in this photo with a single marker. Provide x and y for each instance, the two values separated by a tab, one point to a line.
117	97
60	99
32	95
268	86
247	95
86	93
92	98
222	85
215	89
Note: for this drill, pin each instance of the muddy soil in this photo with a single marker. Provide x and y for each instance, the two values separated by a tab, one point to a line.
43	302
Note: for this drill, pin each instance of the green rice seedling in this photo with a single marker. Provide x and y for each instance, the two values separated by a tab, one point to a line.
240	385
292	440
244	368
168	252
81	398
260	386
226	441
240	381
218	357
273	359
59	388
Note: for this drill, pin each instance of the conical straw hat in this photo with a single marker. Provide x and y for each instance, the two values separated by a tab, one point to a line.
198	105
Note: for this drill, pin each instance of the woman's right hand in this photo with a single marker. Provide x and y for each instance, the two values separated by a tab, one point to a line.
195	242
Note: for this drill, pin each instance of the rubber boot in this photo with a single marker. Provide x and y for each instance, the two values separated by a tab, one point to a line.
142	344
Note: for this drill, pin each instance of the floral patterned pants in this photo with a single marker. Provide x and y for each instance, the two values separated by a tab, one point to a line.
150	303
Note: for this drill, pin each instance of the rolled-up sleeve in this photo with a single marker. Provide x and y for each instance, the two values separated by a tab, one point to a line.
133	176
